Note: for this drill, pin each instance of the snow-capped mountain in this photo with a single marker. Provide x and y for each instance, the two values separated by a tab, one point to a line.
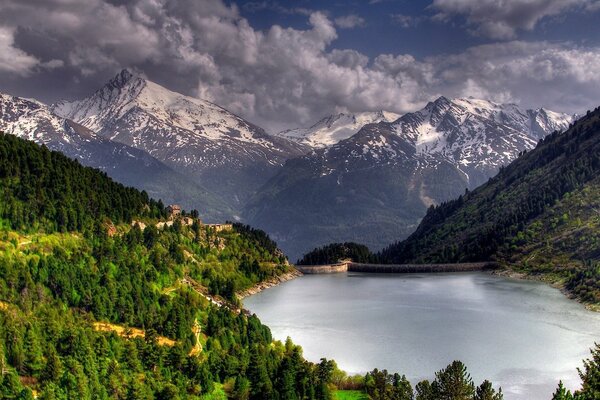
479	136
330	130
193	136
375	186
32	120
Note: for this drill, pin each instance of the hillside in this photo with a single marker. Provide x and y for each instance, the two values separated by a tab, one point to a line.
92	307
538	215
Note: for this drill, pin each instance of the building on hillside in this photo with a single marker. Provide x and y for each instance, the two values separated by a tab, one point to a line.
174	211
220	227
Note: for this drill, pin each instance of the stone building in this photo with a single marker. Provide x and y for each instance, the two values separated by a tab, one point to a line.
174	211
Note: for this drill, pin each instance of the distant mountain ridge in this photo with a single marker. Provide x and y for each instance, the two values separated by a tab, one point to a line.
32	120
334	128
193	136
377	184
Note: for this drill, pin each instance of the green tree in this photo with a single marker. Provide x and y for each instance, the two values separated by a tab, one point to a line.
53	368
261	385
590	377
424	391
34	361
453	383
562	394
485	391
241	390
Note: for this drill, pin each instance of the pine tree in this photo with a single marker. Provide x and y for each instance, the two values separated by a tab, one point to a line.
562	393
485	391
453	383
261	385
423	391
590	377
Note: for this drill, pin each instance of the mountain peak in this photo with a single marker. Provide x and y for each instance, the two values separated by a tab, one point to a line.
121	79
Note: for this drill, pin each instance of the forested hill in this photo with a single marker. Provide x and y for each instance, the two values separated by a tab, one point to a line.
85	314
42	189
540	213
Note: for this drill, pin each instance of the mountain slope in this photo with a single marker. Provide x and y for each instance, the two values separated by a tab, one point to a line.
330	130
539	213
34	121
225	153
377	185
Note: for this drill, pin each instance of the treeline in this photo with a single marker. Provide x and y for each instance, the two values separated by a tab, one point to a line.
332	253
453	382
476	225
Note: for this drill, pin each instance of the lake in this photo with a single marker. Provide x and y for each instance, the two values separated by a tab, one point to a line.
524	336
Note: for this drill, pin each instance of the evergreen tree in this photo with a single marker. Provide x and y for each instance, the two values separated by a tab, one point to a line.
453	383
261	385
590	377
562	394
485	391
424	391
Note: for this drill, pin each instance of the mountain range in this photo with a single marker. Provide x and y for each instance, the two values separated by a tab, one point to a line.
375	186
366	177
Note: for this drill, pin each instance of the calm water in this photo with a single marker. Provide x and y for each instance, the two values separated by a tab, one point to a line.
522	335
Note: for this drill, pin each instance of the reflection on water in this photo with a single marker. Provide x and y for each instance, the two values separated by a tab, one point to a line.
522	335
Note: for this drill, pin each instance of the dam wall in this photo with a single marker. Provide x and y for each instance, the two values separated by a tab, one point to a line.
322	269
395	268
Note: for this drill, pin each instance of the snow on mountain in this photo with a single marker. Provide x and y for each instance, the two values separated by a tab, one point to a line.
478	136
203	140
330	130
32	120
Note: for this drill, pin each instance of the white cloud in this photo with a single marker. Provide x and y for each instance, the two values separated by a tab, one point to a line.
350	21
285	77
13	59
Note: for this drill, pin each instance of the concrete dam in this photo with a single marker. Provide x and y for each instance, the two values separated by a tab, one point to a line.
395	268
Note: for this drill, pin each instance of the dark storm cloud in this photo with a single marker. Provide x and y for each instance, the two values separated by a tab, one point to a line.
279	77
503	19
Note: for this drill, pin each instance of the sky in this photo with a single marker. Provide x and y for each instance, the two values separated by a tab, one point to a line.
284	64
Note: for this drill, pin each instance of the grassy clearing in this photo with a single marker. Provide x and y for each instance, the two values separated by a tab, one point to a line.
217	394
350	395
130	332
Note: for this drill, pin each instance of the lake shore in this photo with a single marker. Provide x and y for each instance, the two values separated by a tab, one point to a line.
271	282
513	274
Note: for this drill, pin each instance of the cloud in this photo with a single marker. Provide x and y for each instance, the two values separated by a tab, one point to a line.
280	77
406	21
256	6
350	21
12	59
503	19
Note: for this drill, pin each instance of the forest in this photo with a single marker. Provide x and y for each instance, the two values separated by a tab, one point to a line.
92	306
